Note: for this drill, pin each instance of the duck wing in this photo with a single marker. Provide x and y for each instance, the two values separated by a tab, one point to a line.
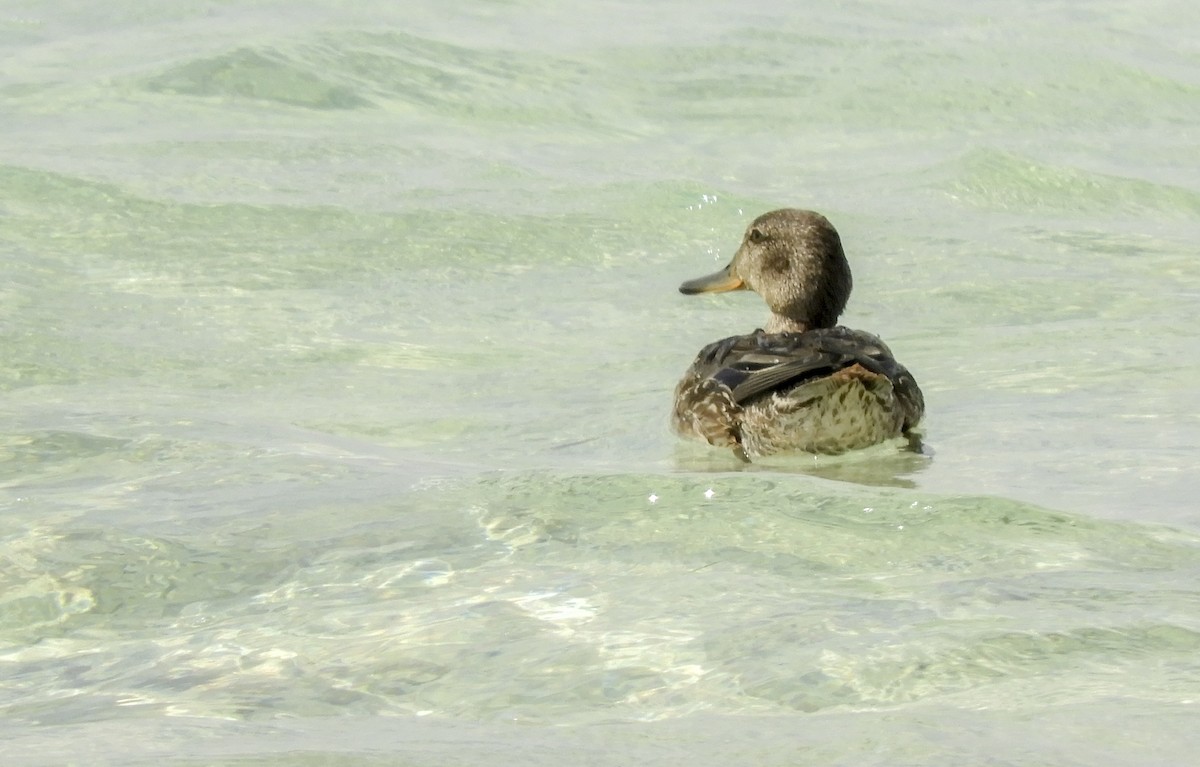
754	365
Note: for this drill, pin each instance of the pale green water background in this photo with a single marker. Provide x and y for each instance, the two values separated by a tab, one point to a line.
337	340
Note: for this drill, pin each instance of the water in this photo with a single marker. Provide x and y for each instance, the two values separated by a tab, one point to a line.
337	349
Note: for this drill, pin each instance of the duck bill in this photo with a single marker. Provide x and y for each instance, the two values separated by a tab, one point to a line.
717	282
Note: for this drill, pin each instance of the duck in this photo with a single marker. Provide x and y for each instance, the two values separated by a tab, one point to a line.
801	383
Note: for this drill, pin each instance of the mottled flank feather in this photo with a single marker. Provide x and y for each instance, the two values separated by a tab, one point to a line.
808	385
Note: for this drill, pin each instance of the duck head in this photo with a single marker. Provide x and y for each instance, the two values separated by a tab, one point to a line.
794	260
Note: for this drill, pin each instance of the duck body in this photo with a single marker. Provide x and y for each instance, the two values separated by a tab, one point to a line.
827	390
804	383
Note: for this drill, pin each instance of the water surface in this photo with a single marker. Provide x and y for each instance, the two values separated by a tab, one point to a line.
338	343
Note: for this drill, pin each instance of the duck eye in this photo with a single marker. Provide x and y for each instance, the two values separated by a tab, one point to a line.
756	235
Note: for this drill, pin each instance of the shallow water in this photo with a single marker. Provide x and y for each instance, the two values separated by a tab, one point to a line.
338	342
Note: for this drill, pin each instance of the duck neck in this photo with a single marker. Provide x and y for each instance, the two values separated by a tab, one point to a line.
780	324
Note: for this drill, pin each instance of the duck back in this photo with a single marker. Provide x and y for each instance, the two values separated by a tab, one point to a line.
826	390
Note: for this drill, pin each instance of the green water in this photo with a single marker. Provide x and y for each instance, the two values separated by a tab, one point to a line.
337	343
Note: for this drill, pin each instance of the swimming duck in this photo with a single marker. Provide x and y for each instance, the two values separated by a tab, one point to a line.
802	382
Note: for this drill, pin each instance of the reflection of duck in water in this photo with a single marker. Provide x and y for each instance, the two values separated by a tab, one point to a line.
803	383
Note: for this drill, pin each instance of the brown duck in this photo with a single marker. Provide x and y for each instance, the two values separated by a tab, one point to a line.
802	383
